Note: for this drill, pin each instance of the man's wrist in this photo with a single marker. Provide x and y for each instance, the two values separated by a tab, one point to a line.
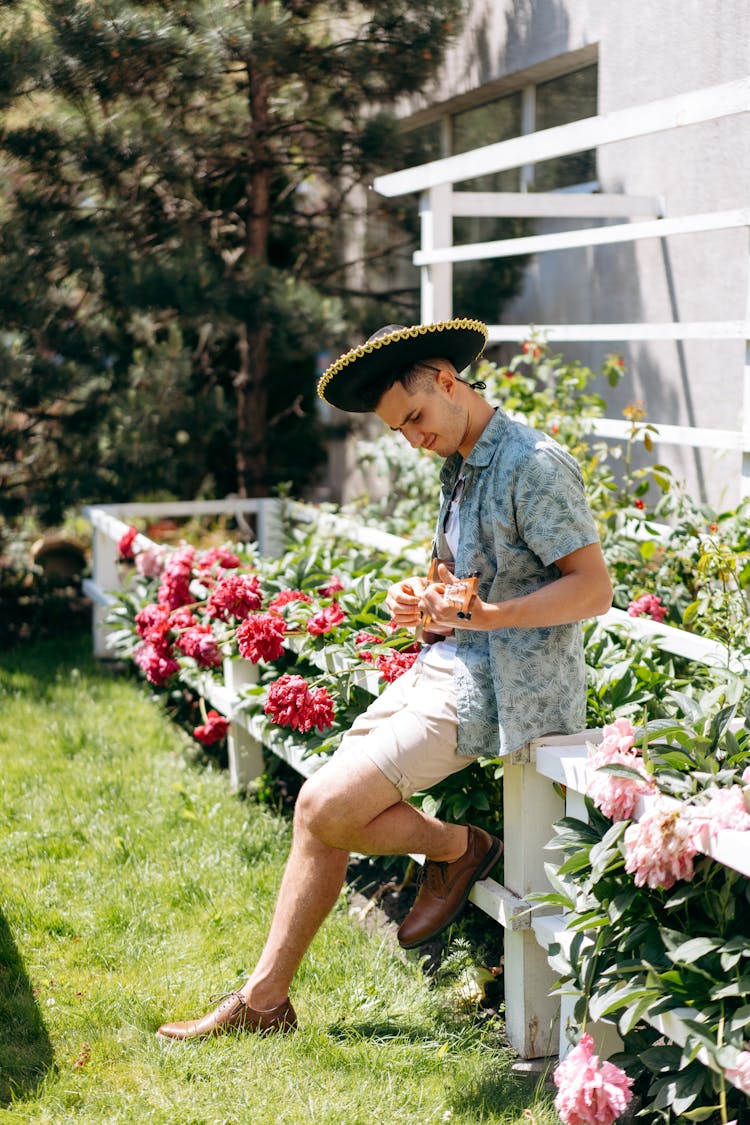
486	616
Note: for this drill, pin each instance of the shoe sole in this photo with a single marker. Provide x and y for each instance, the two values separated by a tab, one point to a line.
490	860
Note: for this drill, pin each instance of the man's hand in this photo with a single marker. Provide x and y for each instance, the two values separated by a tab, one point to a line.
448	602
402	602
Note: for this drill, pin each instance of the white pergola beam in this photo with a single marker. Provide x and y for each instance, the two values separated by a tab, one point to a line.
554	205
596	236
636	121
595	333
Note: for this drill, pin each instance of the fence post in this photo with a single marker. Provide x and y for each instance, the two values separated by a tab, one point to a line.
106	577
530	808
270	529
245	751
436	215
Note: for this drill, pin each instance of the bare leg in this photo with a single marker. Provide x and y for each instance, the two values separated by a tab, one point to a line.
349	805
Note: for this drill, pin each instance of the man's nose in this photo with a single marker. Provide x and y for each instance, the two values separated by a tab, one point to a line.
413	435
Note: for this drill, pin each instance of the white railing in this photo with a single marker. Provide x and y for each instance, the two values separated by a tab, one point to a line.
439	204
536	1021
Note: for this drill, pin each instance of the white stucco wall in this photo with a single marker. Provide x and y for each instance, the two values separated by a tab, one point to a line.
646	51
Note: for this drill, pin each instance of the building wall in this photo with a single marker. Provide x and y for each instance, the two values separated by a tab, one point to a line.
646	51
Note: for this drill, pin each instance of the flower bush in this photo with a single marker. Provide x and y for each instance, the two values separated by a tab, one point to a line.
658	926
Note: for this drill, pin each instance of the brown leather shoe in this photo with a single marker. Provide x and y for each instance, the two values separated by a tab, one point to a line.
232	1014
445	888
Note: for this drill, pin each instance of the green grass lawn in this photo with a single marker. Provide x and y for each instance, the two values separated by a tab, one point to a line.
135	887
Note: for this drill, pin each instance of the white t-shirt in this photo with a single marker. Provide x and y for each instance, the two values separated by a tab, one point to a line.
441	654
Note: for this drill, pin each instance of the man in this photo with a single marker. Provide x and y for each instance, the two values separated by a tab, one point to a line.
504	668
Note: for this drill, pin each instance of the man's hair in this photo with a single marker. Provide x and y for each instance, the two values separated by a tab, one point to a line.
417	376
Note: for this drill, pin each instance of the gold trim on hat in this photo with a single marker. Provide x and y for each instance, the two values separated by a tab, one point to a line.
392	337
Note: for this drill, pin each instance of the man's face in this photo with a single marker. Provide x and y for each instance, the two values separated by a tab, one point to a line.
429	418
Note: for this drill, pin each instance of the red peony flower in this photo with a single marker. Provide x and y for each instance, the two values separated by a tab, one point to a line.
200	643
260	637
335	586
236	595
157	666
174	590
284	597
213	730
182	618
367	639
326	619
219	557
291	702
125	543
391	665
152	623
650	605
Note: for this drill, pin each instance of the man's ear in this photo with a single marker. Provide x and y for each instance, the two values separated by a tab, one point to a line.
445	380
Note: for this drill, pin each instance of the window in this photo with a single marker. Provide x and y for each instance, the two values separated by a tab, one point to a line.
557	102
481	288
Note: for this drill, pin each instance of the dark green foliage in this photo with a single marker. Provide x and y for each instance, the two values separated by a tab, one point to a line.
172	181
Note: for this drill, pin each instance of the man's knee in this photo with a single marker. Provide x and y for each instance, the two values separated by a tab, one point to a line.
320	808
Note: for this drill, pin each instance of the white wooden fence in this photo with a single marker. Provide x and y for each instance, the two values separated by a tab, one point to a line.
439	204
535	1020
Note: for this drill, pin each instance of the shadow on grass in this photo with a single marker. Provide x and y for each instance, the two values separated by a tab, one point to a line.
25	1049
499	1095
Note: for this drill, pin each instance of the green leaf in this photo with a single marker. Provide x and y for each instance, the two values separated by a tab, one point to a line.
691	950
702	1113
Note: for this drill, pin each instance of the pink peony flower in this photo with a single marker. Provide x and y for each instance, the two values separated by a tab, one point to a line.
650	605
725	808
616	797
156	665
590	1092
618	738
284	597
739	1075
150	562
261	637
174	589
236	595
660	847
391	665
213	730
291	702
326	619
199	642
125	543
335	586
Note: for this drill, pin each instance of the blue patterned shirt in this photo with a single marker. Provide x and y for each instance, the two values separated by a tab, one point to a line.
523	507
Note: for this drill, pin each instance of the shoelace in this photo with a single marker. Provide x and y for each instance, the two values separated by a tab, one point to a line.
432	875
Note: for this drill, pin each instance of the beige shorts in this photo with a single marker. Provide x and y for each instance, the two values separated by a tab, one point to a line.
410	731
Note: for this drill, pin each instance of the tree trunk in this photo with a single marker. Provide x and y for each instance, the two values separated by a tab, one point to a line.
251	378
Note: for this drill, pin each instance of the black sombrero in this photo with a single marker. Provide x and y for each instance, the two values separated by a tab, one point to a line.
352	382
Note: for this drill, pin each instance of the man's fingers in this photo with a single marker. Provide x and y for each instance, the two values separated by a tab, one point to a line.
445	575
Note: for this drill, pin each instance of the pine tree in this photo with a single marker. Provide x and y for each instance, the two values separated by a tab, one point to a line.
174	181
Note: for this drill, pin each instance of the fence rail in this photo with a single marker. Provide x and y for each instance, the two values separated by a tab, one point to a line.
536	1021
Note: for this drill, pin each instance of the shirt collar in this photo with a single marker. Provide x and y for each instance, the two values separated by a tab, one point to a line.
484	450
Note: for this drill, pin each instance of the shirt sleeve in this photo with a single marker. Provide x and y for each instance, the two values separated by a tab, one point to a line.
552	513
